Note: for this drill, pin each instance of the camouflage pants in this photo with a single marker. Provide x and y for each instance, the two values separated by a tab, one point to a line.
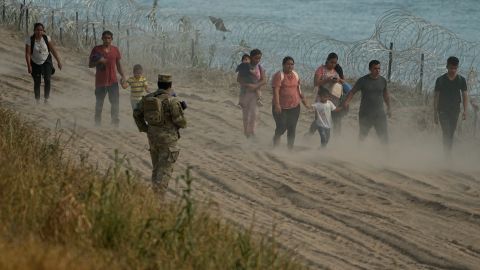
163	157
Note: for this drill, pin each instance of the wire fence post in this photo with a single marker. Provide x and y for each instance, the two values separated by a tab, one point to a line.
24	12
164	49
61	35
390	60
3	11
475	121
53	22
76	28
86	32
422	63
118	34
94	35
103	25
20	17
128	45
26	20
193	52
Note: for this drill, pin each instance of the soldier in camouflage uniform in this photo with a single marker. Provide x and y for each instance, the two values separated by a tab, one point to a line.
160	115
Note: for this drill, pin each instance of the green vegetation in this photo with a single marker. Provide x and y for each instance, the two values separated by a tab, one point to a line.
58	213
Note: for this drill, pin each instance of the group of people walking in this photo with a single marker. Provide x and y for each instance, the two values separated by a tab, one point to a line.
160	114
332	96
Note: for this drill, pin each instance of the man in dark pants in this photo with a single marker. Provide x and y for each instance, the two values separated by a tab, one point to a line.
450	91
374	93
106	59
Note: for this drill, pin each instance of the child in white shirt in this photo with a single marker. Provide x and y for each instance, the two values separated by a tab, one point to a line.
323	115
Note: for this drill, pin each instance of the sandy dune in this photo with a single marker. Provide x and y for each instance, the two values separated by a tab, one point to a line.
351	206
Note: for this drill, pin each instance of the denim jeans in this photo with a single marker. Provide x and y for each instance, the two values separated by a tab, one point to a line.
324	135
336	121
113	97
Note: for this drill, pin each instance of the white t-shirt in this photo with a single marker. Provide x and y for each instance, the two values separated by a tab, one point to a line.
324	113
40	50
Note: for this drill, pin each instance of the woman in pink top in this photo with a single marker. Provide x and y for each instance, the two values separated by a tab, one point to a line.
249	90
286	101
326	76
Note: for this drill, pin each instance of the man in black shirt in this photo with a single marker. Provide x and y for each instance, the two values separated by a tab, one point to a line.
374	93
450	91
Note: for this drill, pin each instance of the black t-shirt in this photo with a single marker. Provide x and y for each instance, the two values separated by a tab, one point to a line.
245	71
372	94
450	92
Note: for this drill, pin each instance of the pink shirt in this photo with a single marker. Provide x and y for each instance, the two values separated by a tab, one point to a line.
323	73
258	71
289	93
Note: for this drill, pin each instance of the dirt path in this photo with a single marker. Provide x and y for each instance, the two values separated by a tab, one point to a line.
355	207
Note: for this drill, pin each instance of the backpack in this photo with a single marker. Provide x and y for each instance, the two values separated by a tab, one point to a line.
49	59
32	43
282	76
154	109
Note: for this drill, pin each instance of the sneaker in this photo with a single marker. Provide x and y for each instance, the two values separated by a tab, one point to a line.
37	101
45	101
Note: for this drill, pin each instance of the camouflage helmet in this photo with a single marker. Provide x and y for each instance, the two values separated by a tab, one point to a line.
166	78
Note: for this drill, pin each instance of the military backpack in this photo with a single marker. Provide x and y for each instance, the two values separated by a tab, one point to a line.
155	108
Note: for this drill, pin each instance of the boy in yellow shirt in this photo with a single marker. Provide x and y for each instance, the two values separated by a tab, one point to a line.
138	85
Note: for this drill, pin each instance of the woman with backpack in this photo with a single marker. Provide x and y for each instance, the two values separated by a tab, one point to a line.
287	96
38	55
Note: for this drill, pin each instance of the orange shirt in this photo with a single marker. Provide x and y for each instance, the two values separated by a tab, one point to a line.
289	93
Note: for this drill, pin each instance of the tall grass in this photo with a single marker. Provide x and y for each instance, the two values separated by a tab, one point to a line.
60	213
